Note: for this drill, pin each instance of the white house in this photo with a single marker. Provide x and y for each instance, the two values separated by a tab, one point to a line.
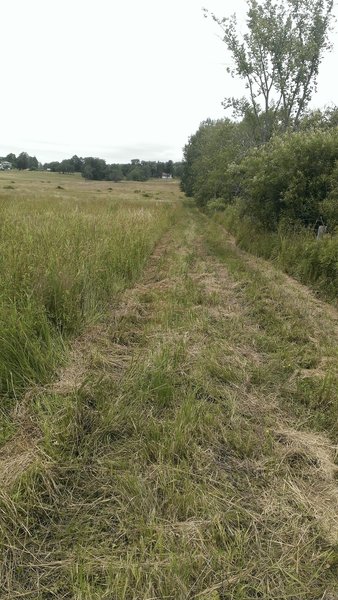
167	176
5	165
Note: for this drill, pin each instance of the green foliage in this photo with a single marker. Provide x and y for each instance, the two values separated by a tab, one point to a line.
216	205
114	173
209	160
24	161
278	58
97	169
329	206
137	173
94	168
289	178
293	179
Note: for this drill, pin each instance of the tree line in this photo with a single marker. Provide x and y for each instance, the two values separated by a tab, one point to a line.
22	161
274	158
292	178
97	168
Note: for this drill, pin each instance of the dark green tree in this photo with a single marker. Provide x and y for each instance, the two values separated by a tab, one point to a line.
169	167
22	162
137	174
209	154
114	173
77	164
94	168
54	166
66	166
11	158
33	163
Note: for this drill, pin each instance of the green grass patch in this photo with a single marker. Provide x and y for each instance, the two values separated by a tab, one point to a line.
311	261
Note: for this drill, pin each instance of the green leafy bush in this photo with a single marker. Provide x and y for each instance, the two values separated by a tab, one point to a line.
216	205
292	178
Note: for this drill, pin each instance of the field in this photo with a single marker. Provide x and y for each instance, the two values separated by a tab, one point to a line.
169	404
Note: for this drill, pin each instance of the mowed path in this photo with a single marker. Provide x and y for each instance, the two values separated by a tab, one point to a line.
188	450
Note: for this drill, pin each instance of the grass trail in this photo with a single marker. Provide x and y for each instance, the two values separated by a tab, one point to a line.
188	449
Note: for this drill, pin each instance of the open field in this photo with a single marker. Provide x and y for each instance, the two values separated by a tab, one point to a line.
176	436
67	248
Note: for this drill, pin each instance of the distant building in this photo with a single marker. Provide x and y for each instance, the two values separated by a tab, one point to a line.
5	165
167	176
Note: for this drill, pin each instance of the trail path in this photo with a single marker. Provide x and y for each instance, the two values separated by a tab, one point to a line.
188	449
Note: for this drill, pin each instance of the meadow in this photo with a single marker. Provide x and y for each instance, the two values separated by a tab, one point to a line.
67	248
170	401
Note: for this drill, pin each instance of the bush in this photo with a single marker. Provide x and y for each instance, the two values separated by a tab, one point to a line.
292	178
216	205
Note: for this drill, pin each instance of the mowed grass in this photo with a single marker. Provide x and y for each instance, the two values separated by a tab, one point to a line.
185	462
67	248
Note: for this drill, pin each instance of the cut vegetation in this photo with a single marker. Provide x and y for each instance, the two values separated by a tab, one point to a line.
180	441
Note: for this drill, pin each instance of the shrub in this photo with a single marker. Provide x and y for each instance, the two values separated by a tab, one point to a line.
292	178
216	205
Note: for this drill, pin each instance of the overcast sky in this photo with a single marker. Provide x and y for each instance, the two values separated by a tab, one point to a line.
118	79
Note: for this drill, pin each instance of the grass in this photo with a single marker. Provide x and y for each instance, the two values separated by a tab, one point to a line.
298	253
176	456
280	311
64	258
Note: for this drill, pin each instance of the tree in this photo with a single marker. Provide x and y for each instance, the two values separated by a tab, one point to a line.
320	119
33	163
22	162
114	173
137	174
77	163
94	168
288	179
278	58
11	158
209	155
54	166
66	166
178	169
169	167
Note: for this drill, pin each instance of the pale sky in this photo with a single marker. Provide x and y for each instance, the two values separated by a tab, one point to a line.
118	79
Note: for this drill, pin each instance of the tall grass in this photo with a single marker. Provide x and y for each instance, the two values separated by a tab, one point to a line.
172	472
62	261
311	261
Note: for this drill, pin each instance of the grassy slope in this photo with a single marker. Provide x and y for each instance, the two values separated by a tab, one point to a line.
186	451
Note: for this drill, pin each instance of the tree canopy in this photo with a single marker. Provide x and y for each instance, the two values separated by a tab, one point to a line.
278	58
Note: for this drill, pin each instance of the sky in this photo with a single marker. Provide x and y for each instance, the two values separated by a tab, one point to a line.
117	79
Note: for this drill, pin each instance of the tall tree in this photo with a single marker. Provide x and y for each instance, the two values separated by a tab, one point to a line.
22	162
278	58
